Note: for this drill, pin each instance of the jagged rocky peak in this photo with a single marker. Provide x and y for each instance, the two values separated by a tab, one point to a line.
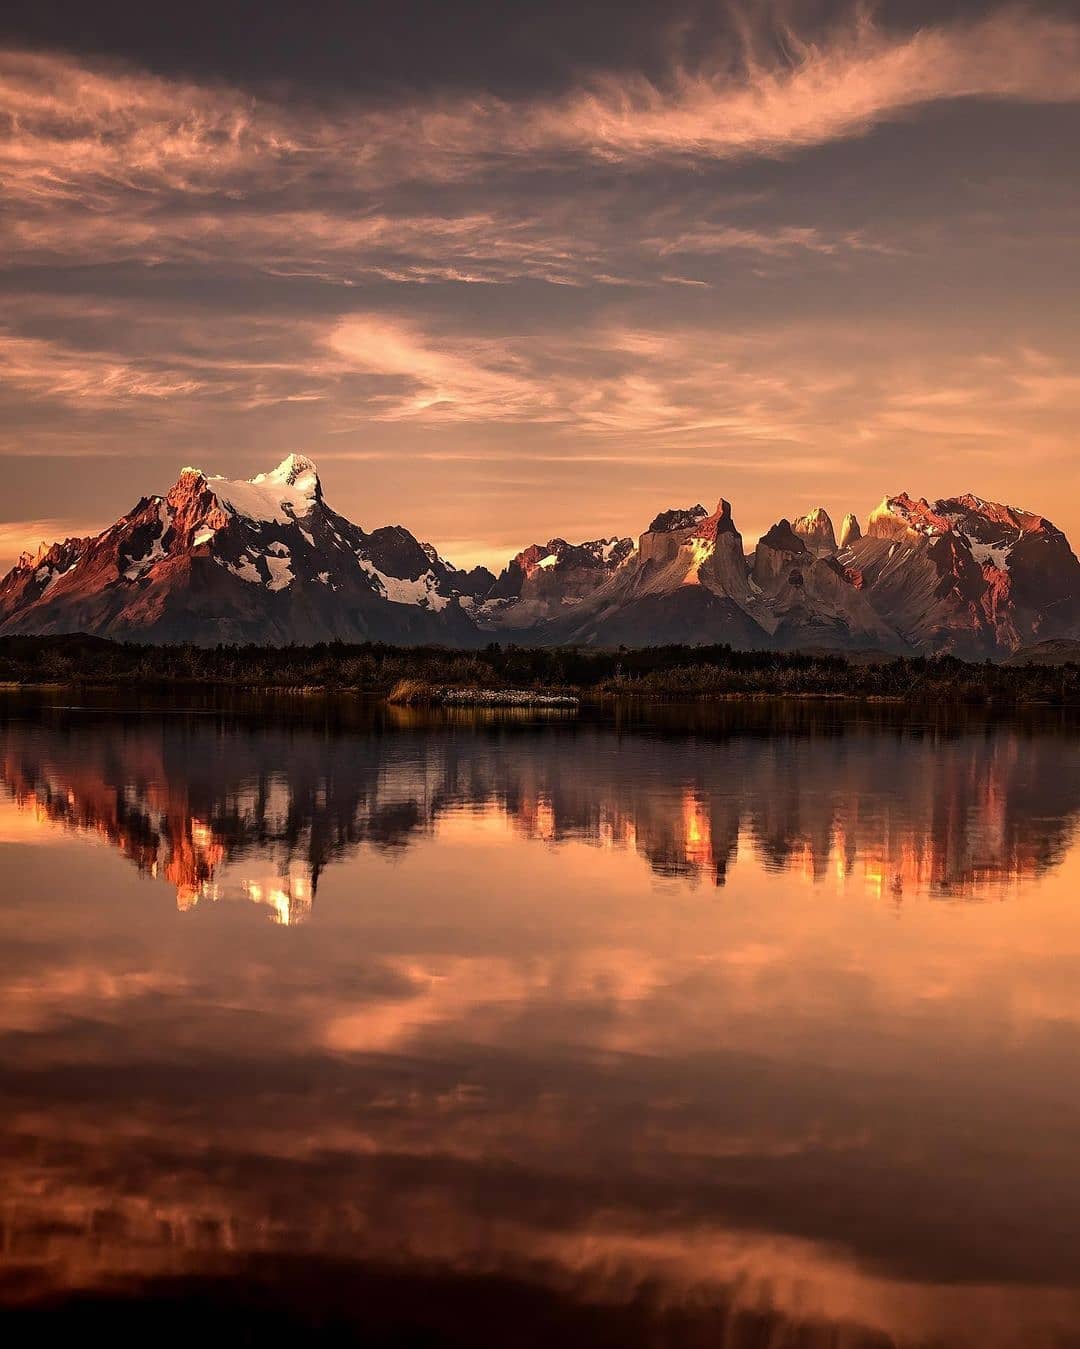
541	556
783	538
720	522
395	552
26	559
558	555
473	583
610	553
778	550
816	529
987	521
967	515
35	574
257	559
266	559
668	521
673	530
695	522
548	576
849	530
902	514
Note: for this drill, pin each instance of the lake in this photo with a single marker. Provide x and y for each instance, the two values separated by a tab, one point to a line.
746	1025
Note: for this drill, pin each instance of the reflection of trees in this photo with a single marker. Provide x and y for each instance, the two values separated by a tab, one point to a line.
948	809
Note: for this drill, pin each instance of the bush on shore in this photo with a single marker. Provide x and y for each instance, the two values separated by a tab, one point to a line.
411	693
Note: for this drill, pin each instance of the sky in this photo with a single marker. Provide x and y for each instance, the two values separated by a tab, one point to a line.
508	272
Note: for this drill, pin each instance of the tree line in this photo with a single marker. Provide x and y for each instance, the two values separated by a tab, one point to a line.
659	672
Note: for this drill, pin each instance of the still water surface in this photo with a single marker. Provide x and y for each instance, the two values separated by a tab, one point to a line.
749	1025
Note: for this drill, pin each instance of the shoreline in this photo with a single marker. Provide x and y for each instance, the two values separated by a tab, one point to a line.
463	699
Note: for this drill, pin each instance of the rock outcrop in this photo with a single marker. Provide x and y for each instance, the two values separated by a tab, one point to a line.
816	531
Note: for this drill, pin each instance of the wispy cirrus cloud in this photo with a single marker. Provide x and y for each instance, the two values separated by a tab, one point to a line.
78	131
461	379
840	87
109	165
613	378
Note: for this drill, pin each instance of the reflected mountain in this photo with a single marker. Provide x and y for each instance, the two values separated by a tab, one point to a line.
242	808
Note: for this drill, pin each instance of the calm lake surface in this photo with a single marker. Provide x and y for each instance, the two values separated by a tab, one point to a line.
745	1025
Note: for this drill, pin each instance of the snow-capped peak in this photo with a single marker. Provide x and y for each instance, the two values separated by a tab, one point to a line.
296	470
288	492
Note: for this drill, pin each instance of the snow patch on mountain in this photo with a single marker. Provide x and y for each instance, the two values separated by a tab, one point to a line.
53	575
280	568
991	554
401	590
245	569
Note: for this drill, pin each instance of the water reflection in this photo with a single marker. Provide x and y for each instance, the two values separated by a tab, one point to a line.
524	1073
260	810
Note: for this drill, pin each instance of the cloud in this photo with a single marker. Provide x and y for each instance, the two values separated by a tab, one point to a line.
103	164
47	369
618	388
80	132
604	380
708	239
844	86
461	379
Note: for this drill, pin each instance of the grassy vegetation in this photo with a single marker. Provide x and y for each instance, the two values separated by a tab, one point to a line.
410	693
675	672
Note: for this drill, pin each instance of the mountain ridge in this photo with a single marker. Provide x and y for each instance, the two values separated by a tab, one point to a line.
267	560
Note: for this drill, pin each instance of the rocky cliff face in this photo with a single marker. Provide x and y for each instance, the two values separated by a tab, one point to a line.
805	598
816	531
849	530
683	584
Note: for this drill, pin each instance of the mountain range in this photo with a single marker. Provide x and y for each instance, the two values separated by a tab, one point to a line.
267	560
